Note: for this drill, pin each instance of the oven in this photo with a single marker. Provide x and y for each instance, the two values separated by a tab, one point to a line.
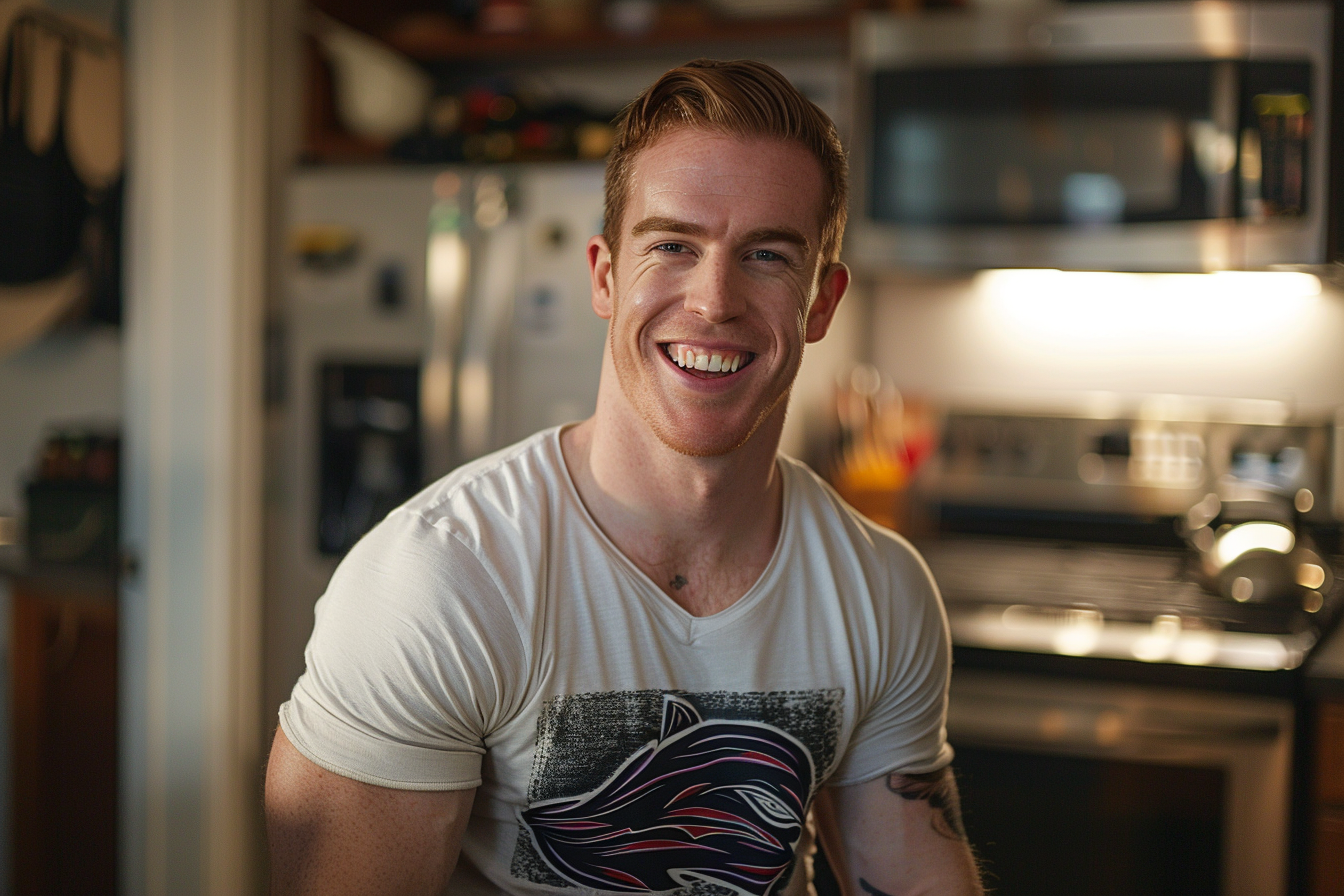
1178	136
1122	707
1105	788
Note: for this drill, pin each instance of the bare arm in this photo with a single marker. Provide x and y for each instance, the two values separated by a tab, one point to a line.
333	835
898	835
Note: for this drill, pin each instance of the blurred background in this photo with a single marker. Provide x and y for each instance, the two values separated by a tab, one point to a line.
267	267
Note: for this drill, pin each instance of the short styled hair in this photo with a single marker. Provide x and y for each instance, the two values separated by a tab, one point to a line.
741	98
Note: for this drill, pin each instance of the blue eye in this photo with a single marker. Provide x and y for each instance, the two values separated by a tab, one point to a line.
766	255
670	247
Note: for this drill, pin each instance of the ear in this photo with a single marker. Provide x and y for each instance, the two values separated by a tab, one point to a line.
599	271
834	282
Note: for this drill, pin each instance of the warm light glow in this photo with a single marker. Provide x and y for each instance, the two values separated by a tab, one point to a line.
1216	27
1160	640
474	407
1196	648
436	394
1242	650
446	270
1110	728
1252	537
1080	634
1105	308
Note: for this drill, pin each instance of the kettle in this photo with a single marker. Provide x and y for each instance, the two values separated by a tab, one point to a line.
1258	552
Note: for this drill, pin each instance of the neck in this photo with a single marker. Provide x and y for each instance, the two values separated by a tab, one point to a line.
701	528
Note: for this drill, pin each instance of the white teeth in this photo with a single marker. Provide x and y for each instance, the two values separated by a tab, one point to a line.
711	362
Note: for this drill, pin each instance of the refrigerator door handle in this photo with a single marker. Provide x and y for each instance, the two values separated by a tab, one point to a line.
447	279
481	392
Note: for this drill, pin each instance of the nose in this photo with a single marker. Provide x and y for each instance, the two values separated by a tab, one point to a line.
714	291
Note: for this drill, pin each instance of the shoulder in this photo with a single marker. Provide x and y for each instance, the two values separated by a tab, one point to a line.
824	519
460	546
513	487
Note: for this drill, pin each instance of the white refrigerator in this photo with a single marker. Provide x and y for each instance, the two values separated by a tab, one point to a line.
429	316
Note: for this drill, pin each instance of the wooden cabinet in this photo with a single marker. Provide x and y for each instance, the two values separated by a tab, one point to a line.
1327	854
64	699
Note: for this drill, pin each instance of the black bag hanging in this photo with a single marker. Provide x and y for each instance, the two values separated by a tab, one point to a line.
43	204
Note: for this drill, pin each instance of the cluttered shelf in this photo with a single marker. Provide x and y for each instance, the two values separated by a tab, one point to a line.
438	40
417	85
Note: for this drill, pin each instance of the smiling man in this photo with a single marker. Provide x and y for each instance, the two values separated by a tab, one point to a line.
635	654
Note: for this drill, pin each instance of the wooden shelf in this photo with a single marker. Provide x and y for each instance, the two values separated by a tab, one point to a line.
430	44
415	29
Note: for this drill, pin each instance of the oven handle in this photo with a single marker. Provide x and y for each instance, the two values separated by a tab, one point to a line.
1103	725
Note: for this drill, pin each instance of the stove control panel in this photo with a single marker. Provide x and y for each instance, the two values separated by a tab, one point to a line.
1135	465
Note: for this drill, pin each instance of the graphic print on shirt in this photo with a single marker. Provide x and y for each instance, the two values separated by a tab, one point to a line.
715	801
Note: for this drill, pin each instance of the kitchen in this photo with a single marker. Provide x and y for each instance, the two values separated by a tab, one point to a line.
976	342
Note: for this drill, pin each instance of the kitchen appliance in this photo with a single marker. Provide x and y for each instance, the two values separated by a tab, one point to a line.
1121	724
1183	136
432	315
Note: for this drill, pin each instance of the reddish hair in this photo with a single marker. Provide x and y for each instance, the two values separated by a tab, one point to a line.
741	98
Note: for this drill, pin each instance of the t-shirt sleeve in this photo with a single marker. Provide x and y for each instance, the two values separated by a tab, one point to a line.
904	728
410	665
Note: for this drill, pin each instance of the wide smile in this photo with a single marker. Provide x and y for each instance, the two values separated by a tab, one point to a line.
706	362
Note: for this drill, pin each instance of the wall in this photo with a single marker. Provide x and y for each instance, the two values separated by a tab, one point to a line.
61	380
1072	339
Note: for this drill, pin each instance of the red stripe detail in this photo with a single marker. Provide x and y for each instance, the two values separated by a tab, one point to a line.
623	877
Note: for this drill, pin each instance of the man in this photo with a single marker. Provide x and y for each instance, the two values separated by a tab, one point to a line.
626	655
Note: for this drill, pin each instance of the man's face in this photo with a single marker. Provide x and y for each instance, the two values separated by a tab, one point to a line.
715	287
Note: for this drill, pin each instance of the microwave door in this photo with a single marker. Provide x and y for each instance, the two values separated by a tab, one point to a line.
1116	136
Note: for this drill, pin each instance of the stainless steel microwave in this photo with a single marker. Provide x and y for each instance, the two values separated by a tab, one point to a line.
1159	136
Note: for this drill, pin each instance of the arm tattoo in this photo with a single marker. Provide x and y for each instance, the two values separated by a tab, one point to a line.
939	790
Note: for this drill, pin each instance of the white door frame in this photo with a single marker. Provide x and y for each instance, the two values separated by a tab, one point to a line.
196	234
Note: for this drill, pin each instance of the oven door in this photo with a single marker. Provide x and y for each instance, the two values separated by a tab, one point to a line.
1102	788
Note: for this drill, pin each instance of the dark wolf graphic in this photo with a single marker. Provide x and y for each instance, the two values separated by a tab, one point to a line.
717	801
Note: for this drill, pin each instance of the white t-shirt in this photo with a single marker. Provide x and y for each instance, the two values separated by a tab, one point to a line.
488	635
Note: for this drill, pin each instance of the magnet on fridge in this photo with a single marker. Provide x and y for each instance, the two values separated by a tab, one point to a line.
390	289
540	310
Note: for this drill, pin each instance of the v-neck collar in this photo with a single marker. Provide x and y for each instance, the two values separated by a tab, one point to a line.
685	625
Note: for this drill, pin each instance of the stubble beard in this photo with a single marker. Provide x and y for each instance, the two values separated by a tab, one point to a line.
628	378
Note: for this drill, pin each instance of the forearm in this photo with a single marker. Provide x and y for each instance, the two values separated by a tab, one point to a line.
897	836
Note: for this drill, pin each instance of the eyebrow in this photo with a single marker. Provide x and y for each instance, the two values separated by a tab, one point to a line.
666	225
759	235
779	235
